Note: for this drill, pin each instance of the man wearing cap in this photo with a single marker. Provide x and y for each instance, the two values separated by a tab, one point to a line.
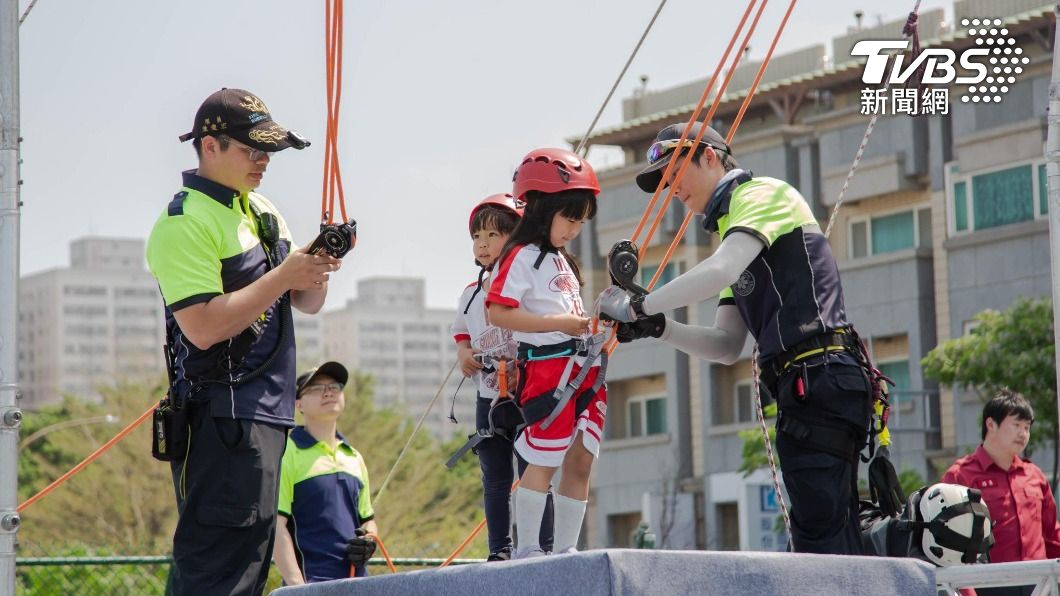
229	275
325	510
775	275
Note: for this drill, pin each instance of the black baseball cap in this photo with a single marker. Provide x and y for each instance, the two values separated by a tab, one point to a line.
332	369
648	178
241	115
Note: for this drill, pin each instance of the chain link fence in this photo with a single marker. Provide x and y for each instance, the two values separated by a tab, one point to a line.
99	572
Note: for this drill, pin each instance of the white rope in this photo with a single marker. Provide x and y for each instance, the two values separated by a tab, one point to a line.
585	138
850	174
26	13
769	446
390	474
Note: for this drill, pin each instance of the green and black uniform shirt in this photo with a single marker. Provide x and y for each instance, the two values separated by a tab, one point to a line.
206	243
325	496
791	291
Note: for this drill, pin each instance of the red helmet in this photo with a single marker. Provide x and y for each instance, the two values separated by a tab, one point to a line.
553	170
503	201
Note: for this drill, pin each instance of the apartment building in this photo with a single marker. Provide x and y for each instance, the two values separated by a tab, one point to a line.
390	333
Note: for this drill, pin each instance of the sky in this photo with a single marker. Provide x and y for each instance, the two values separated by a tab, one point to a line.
440	101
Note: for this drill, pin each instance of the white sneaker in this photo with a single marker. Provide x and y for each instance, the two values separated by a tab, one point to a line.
527	553
566	551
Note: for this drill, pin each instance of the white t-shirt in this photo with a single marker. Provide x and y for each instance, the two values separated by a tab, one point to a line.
548	290
484	337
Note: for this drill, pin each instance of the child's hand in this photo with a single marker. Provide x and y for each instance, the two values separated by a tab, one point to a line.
572	324
465	357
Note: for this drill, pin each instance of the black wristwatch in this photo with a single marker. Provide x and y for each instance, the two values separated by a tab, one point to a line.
637	303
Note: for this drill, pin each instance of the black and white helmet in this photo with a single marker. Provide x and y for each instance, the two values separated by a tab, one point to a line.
955	524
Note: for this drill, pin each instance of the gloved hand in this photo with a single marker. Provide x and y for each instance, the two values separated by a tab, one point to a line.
884	488
650	326
360	548
615	305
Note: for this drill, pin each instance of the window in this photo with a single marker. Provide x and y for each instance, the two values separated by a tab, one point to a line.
882	234
646	416
898	371
647	272
1000	197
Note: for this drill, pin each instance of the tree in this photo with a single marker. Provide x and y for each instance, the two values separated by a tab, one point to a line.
1014	349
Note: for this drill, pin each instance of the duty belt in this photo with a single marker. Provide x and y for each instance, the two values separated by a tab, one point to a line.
839	340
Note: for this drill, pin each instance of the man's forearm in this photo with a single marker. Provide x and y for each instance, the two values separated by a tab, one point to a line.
721	343
227	315
708	278
309	301
284	556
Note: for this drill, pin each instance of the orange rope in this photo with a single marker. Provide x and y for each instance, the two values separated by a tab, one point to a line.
688	127
332	179
687	159
613	344
471	536
98	452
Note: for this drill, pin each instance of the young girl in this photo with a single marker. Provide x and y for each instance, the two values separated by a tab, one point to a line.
535	293
492	221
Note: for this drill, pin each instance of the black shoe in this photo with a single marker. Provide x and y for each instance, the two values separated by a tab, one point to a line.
505	554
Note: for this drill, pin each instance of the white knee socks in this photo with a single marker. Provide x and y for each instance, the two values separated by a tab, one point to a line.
569	515
529	509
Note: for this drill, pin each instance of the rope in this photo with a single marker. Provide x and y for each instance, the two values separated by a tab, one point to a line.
386	553
769	445
95	454
404	449
909	30
332	179
481	524
585	138
26	13
688	127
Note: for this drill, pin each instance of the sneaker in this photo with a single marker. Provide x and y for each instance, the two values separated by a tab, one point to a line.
504	554
527	553
566	551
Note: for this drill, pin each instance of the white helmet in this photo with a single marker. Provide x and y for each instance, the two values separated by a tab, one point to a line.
955	524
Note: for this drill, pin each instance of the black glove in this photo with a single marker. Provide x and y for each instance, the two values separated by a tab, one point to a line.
884	488
649	326
361	548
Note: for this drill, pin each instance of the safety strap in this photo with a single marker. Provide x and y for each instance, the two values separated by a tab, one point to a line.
825	436
566	387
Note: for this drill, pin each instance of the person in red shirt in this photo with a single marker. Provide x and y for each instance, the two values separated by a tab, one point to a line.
1015	490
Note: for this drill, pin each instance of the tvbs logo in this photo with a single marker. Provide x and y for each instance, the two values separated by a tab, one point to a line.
988	68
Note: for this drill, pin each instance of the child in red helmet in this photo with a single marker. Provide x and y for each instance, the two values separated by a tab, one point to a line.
535	292
492	221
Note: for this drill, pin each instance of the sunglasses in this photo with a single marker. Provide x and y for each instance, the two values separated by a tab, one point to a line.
252	153
660	149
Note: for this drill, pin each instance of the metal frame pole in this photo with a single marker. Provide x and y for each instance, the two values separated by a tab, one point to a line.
1052	169
10	415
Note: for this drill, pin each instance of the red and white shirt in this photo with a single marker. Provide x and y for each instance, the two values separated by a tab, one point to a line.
475	328
549	289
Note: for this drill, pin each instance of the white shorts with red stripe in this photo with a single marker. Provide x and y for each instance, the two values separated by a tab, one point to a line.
547	446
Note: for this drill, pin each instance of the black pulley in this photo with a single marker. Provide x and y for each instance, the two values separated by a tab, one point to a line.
623	265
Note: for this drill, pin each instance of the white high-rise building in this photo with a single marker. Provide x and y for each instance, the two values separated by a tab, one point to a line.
389	332
95	323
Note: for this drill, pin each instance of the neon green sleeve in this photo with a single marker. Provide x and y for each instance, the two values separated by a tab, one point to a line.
184	256
364	501
767	208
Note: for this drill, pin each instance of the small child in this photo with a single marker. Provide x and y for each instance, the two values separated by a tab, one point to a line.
492	221
536	293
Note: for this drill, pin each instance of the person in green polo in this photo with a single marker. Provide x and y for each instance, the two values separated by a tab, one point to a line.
230	275
326	520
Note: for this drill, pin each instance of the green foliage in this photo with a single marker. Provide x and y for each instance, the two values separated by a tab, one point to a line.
753	451
1011	349
123	503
